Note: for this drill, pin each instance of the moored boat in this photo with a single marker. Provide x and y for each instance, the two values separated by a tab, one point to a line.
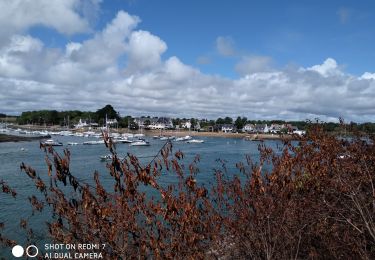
51	142
185	138
195	141
93	142
140	143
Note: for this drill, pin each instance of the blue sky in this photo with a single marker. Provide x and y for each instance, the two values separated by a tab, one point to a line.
260	59
291	32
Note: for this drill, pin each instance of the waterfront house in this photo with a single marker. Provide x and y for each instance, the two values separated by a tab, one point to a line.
275	128
83	124
154	123
249	128
228	128
186	124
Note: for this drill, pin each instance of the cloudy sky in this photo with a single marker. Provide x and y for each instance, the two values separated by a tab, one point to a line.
291	60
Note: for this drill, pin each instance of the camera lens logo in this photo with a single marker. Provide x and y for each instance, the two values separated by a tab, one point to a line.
31	251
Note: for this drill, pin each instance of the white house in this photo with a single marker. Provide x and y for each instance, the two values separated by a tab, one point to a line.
186	125
227	128
249	128
81	124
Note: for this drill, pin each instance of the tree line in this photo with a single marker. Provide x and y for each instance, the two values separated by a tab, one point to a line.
71	117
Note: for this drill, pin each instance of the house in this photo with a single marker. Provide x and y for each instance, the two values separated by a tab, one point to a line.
275	128
260	128
228	128
186	124
249	128
154	123
161	123
83	124
110	122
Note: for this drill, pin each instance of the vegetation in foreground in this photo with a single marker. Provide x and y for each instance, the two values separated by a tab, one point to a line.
317	201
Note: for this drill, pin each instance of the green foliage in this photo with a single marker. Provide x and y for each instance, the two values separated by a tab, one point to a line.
109	112
240	122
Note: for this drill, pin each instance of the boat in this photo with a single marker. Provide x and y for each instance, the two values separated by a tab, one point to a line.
185	138
93	142
127	135
140	142
253	138
72	143
51	142
122	140
195	141
108	157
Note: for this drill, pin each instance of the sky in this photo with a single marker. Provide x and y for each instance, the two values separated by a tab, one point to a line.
291	60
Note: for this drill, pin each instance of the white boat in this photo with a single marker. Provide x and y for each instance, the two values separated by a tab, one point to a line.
65	133
140	143
185	138
108	157
195	141
51	142
72	143
127	135
93	142
139	135
122	140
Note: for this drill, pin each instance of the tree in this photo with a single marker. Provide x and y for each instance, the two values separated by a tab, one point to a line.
240	122
220	121
109	112
228	120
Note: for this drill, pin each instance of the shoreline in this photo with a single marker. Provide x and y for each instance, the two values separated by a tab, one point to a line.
250	137
14	138
177	133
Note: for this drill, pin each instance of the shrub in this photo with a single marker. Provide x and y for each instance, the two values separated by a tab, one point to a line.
317	201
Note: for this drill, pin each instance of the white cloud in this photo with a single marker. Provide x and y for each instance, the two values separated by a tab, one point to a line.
252	64
125	67
328	68
225	46
18	15
144	51
368	75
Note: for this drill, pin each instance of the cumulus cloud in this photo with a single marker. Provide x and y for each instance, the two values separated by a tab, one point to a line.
368	75
124	66
328	68
63	15
144	51
225	46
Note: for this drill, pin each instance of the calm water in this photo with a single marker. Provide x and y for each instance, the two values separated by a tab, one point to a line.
85	160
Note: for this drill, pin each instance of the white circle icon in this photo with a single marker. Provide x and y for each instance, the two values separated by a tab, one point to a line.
17	251
36	251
